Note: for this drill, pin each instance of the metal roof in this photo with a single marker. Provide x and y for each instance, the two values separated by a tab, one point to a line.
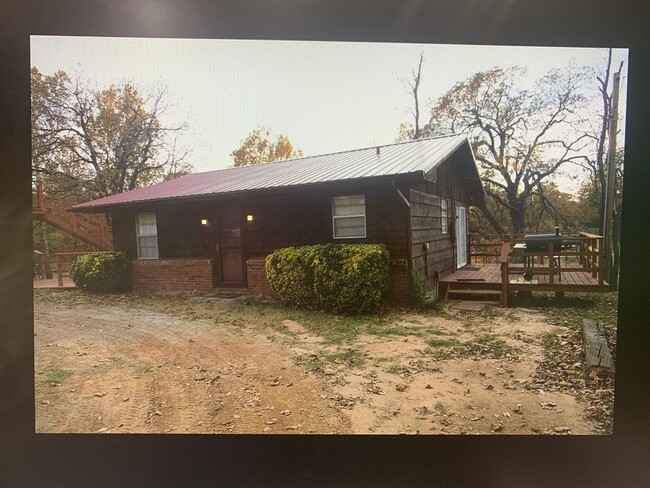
395	159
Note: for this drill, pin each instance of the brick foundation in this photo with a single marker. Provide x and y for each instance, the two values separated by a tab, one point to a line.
156	275
256	278
399	290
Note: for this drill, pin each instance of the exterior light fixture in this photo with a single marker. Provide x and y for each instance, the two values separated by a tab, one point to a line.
204	222
249	218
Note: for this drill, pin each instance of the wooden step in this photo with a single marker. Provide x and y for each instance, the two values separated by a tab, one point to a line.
473	293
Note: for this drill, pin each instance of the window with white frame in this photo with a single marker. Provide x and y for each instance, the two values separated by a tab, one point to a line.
443	215
146	233
349	216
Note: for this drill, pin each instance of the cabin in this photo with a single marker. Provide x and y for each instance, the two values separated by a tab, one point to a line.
213	230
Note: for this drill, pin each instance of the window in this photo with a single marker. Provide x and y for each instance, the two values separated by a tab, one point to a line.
146	233
443	215
349	217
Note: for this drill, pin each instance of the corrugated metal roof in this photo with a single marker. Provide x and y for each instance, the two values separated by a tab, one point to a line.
394	159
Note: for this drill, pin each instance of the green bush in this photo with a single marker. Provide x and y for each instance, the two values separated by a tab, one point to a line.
101	271
419	289
291	275
344	278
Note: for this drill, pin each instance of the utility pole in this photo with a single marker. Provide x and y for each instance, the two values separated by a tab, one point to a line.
611	182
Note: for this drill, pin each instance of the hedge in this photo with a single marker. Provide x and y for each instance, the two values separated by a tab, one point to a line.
101	271
343	278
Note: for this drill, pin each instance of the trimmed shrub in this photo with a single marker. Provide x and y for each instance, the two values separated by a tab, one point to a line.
344	278
101	271
291	275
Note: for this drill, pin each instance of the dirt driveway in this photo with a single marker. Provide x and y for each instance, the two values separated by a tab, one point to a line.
171	365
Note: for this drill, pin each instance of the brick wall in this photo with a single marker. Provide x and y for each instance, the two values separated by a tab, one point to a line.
256	278
155	275
399	290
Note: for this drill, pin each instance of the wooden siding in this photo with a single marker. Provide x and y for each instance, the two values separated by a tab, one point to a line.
426	229
445	182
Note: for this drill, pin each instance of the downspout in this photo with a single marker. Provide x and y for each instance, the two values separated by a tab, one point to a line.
409	244
408	204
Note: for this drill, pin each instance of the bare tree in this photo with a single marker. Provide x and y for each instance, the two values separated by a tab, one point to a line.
407	131
520	137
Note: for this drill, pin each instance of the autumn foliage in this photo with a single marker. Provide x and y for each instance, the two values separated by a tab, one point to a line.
259	148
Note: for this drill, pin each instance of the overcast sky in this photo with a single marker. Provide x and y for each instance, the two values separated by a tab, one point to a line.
325	96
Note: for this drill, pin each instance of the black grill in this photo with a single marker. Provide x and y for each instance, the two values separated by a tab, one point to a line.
539	242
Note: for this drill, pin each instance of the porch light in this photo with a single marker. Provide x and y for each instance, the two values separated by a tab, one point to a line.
204	222
249	218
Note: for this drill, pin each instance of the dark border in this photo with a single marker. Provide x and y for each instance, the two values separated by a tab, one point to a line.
27	459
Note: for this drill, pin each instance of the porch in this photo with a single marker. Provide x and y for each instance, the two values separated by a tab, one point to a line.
568	264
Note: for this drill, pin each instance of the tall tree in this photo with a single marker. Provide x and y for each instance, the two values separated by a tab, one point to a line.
520	137
407	131
92	143
259	148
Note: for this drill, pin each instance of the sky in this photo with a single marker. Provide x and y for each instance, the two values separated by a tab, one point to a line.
324	96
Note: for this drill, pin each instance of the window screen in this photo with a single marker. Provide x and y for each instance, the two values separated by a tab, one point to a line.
443	215
146	235
349	216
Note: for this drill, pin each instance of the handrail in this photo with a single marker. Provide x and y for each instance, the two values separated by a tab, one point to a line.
97	234
505	273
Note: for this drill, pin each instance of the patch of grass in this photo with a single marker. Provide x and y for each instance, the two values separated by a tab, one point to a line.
575	307
443	342
56	375
423	411
144	369
484	345
434	330
351	357
104	366
316	362
440	408
433	305
386	329
398	370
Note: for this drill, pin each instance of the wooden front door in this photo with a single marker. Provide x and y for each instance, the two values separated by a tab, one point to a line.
228	262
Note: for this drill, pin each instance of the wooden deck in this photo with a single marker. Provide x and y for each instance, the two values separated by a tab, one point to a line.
489	277
570	263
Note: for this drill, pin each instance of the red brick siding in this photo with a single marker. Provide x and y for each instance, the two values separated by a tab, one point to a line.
256	278
156	275
399	289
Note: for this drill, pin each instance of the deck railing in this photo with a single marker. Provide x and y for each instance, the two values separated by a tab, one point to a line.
486	248
96	234
584	252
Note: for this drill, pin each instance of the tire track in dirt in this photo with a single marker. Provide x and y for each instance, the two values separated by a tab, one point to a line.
138	371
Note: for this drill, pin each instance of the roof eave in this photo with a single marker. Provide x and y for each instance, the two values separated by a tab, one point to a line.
371	180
